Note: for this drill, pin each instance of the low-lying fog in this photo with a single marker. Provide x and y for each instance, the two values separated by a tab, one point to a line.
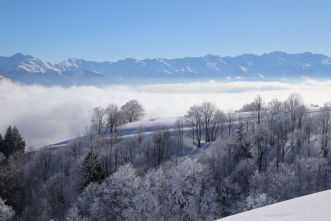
46	115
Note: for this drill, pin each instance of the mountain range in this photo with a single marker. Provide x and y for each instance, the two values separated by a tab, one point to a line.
280	66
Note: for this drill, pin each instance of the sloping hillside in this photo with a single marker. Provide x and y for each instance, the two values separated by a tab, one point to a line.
315	207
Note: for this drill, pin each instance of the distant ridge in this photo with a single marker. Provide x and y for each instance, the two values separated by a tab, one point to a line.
276	65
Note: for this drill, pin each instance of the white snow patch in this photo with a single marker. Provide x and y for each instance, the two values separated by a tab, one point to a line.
189	69
243	68
141	62
68	64
167	72
32	68
163	62
326	61
306	65
213	66
221	60
35	65
152	122
281	60
307	208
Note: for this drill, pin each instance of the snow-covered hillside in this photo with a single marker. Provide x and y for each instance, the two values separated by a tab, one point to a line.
270	66
314	207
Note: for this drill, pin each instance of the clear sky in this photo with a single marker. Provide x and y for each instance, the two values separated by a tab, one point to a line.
109	30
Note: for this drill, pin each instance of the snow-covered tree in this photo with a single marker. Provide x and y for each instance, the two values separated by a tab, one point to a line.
115	202
325	123
114	119
241	145
194	119
132	111
258	106
73	215
98	120
6	212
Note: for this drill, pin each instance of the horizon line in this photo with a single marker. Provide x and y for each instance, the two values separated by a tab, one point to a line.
173	58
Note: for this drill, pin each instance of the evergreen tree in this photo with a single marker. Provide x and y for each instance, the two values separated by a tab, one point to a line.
1	144
12	142
90	171
242	146
242	156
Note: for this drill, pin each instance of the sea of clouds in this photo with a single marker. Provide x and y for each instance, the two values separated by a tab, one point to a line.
46	115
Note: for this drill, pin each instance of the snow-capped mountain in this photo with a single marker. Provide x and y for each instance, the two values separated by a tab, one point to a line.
270	66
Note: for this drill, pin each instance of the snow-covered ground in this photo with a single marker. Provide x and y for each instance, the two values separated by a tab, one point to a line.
314	207
132	129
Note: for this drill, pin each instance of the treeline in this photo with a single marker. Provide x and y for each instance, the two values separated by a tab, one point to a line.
222	164
108	120
11	155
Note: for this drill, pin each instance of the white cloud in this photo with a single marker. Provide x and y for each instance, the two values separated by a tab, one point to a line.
49	114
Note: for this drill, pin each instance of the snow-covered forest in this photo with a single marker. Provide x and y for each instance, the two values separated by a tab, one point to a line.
209	164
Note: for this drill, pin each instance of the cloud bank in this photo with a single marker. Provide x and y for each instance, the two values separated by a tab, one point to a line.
46	115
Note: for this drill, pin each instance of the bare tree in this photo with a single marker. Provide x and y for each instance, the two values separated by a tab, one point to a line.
97	120
139	139
161	140
113	121
194	119
132	111
179	124
295	107
229	122
275	107
208	110
260	140
258	105
113	118
325	122
217	125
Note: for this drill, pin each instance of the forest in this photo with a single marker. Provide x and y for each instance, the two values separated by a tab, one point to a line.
209	165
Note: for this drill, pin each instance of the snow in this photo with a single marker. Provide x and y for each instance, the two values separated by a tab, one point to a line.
213	66
167	72
141	62
261	76
311	207
151	123
281	60
163	62
221	60
326	61
306	65
37	66
32	68
189	69
243	68
70	63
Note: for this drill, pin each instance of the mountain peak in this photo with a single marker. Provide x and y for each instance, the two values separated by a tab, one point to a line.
276	65
21	56
276	53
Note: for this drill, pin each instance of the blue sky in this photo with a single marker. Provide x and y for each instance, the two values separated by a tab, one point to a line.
109	30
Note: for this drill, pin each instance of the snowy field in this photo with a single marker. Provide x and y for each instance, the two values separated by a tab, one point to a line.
314	207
